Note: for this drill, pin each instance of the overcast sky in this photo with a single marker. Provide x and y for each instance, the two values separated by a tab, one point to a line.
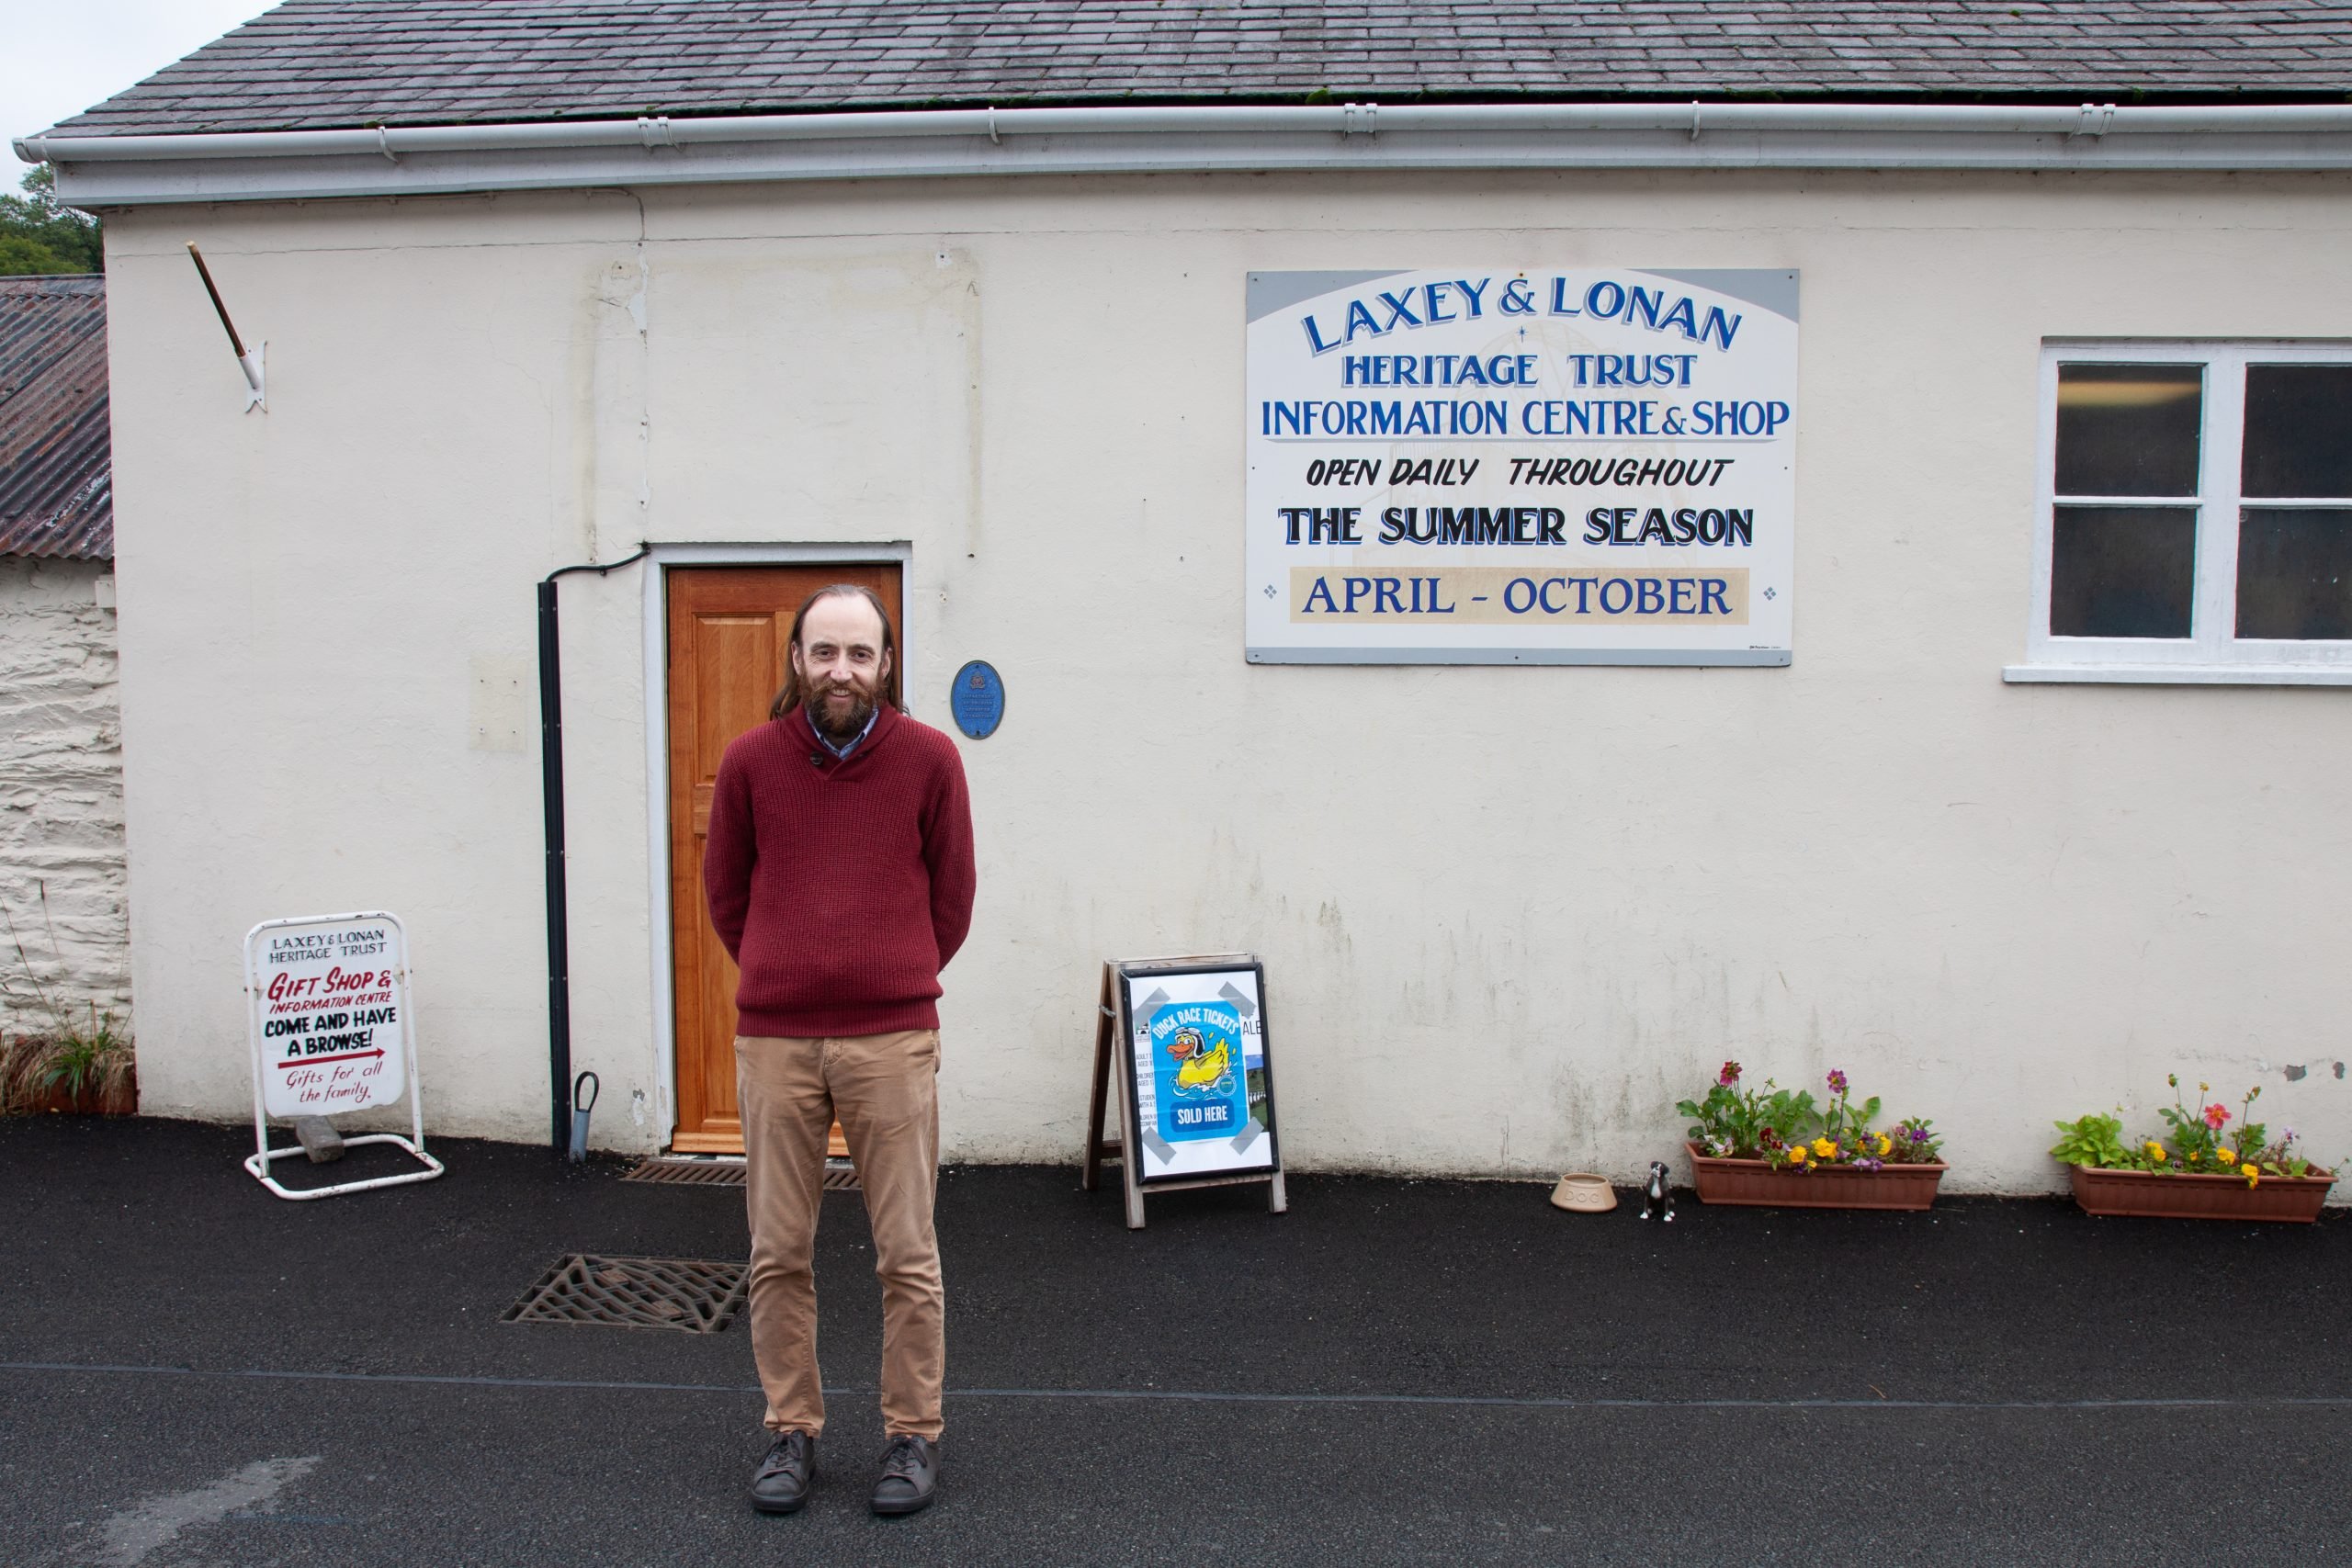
60	59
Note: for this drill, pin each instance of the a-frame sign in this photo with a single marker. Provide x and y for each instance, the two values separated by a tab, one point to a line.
1182	1045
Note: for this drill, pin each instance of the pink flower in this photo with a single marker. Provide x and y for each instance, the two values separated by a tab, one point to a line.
1836	1081
1729	1075
2215	1114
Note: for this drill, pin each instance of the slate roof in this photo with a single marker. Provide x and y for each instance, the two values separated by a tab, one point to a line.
56	455
325	63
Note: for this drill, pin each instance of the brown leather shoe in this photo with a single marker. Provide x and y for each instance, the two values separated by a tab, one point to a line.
910	1475
781	1483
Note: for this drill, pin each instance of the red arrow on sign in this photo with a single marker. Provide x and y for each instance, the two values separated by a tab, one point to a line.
347	1055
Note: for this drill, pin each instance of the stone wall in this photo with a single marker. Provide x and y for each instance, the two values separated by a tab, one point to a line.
60	795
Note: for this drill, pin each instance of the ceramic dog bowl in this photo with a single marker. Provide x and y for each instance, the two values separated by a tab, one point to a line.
1584	1193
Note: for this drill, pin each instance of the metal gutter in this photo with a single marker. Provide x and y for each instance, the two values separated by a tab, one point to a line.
424	160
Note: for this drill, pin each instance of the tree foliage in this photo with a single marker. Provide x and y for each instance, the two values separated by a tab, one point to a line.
38	235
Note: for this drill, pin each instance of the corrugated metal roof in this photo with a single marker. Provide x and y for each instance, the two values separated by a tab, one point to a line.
56	456
323	64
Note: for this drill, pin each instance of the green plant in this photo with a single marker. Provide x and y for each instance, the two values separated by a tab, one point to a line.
87	1062
1918	1142
1793	1131
2096	1141
81	1058
2200	1144
1743	1122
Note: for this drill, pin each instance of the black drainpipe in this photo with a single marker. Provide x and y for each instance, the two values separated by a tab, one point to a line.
551	784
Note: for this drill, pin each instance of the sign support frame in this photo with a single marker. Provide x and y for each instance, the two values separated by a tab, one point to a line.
1115	1081
258	1162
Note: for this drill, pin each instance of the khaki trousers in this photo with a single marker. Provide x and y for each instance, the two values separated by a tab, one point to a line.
885	1090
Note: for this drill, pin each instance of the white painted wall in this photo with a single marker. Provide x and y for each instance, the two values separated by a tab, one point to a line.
65	945
1510	915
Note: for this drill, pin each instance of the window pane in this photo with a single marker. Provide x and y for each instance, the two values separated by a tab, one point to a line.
2122	571
2129	429
2295	572
2298	429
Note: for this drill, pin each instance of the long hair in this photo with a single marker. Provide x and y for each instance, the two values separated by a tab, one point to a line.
788	695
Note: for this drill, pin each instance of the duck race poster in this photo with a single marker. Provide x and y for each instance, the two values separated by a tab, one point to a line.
1204	1105
1196	1064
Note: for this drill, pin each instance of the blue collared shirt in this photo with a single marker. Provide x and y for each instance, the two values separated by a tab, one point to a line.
852	744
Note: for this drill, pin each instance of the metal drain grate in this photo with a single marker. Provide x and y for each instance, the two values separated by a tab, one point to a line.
636	1292
839	1175
688	1172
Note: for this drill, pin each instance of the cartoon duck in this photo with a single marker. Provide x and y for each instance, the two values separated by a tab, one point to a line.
1200	1070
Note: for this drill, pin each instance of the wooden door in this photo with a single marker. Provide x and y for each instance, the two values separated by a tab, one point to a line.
728	629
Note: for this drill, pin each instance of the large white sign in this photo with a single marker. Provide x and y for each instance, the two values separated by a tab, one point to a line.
1561	466
330	1013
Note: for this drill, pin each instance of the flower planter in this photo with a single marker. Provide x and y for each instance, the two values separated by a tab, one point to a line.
1755	1182
2166	1195
121	1100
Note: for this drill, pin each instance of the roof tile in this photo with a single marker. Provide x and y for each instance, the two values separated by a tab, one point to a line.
322	63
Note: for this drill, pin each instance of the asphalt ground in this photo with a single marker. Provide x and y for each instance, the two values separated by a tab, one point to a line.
195	1372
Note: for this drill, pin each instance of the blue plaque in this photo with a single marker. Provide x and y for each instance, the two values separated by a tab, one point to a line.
976	699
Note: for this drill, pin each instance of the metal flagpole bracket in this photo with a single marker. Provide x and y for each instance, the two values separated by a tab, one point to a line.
251	363
333	1029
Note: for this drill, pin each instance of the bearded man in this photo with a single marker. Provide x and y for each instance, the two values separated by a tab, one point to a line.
839	871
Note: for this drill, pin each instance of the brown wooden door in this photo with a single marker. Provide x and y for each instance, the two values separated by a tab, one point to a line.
728	629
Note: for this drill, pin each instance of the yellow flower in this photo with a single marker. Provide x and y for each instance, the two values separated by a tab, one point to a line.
1885	1145
2253	1176
1825	1148
2227	1157
1796	1155
2156	1151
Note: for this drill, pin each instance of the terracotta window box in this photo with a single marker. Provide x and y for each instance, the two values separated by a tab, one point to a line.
121	1100
1756	1182
2168	1195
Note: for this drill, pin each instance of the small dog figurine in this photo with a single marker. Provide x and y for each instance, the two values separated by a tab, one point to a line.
1658	1202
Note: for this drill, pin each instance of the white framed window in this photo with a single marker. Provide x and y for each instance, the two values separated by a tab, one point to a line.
2193	513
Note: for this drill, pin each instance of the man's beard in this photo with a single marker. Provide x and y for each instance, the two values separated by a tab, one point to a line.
852	719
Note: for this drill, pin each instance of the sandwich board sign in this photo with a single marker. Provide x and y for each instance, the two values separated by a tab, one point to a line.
332	1031
1186	1041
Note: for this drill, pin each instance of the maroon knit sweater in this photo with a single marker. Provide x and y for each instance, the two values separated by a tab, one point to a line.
842	887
